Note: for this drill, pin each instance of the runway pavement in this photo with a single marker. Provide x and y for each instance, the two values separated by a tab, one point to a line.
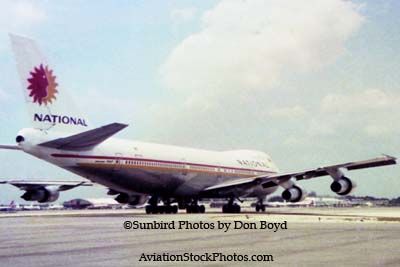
288	236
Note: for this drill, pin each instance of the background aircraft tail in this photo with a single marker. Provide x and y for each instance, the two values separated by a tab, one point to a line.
49	105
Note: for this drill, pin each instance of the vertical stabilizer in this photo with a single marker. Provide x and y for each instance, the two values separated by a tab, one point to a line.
49	106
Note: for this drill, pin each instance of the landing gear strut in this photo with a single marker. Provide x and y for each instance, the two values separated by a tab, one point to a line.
154	208
231	207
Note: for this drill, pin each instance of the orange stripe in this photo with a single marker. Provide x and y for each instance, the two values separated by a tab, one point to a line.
157	168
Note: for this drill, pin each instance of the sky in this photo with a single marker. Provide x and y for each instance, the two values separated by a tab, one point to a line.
310	83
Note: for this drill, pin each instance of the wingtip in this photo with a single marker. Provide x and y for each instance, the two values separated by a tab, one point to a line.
122	125
389	157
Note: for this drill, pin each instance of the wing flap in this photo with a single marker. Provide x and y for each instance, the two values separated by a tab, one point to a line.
85	140
231	183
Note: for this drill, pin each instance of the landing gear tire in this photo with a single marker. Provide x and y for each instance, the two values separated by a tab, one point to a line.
152	209
202	209
171	209
148	209
234	208
260	208
161	209
174	209
168	209
192	209
195	209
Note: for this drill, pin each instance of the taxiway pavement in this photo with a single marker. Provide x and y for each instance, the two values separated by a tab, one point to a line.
314	237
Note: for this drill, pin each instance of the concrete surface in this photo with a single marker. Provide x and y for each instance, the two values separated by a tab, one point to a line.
314	237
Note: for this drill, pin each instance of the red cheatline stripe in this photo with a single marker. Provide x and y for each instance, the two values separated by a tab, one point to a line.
153	160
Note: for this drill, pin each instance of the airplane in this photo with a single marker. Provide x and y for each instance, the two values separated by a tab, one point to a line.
134	171
12	207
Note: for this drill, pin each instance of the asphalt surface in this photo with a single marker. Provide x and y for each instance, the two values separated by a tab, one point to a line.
314	237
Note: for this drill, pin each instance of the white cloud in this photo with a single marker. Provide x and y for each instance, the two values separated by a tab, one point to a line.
376	130
371	99
225	80
28	12
372	113
19	15
288	112
250	45
321	126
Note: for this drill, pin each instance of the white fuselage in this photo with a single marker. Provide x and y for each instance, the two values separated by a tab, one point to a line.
154	169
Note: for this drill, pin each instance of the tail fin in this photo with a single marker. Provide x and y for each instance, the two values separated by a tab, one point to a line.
49	105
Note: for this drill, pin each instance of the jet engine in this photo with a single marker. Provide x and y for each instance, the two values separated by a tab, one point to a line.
133	200
343	186
41	195
294	194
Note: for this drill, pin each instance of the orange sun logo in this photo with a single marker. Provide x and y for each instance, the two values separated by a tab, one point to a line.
42	85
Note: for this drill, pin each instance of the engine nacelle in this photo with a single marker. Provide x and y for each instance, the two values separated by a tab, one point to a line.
134	200
343	186
42	195
294	194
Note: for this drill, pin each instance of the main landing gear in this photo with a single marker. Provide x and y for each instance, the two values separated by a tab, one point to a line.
161	209
231	207
154	208
194	207
260	207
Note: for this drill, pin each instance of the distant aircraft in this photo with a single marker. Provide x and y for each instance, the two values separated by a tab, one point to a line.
134	170
10	208
307	202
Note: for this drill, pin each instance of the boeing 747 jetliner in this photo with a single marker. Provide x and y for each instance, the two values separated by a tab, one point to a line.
136	172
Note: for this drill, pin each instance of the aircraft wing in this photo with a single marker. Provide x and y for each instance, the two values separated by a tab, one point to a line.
85	140
277	179
32	185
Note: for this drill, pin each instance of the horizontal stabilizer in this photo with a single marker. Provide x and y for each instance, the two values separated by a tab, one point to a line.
12	147
85	140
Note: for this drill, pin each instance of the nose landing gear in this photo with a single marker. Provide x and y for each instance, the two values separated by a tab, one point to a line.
260	207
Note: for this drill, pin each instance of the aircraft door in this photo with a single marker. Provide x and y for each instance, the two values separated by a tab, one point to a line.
185	167
220	178
118	162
